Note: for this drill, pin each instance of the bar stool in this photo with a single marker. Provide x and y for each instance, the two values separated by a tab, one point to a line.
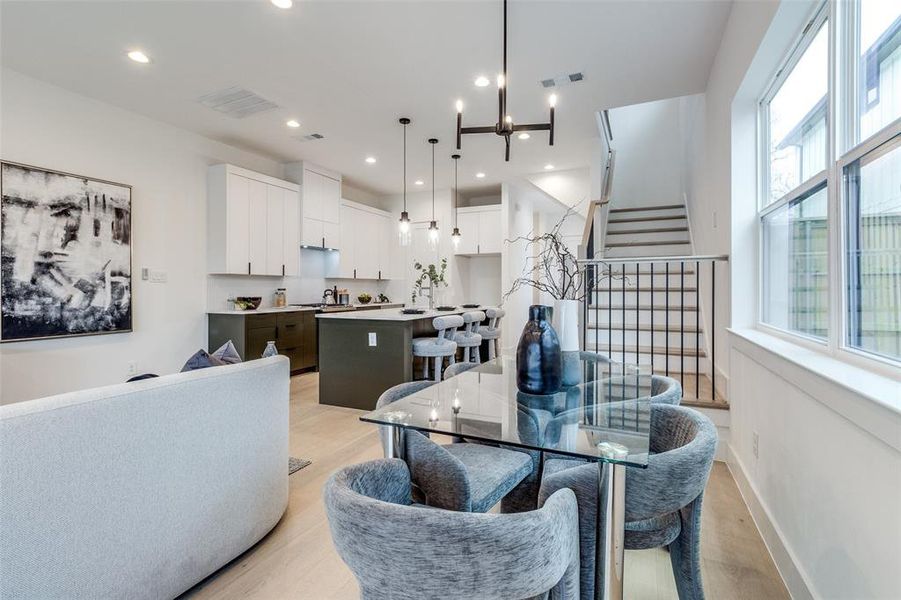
470	337
492	332
440	346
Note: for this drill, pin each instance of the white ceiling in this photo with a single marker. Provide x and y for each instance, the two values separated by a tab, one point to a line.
348	70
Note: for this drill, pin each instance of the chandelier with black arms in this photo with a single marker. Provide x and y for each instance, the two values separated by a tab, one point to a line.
505	126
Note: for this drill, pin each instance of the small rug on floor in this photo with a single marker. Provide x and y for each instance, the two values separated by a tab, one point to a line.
296	464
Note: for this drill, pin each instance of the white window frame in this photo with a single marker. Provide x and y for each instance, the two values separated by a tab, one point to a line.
842	128
765	206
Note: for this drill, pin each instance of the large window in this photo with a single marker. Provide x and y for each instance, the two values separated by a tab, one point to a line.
873	192
831	182
797	119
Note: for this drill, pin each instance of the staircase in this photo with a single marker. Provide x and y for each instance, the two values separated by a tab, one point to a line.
646	308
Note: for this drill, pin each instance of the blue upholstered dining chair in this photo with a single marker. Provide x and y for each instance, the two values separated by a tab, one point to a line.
663	502
457	476
404	552
457	368
492	331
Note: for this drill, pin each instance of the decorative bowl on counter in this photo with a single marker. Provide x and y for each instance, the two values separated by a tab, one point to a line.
412	311
446	308
471	305
364	298
248	302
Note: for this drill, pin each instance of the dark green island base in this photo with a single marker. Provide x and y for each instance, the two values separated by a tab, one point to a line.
352	373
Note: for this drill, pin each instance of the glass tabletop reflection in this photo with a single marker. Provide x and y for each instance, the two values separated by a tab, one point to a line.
604	417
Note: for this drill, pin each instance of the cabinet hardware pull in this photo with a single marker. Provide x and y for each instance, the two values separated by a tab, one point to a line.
283	270
323	242
248	268
355	273
478	248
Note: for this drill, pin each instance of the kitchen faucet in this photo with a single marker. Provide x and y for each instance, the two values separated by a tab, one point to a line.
431	294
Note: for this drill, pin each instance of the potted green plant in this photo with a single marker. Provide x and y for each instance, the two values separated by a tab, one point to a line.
430	276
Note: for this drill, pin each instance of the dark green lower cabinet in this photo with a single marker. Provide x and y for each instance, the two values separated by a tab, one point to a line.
294	334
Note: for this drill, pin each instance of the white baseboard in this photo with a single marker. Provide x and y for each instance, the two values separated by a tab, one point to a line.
789	567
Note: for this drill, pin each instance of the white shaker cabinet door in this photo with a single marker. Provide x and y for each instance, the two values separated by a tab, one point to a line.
237	236
491	240
292	233
275	230
258	217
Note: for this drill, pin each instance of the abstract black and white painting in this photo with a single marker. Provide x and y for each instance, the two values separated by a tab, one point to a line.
65	254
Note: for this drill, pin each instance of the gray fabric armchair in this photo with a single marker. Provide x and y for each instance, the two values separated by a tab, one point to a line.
663	502
665	390
406	552
458	476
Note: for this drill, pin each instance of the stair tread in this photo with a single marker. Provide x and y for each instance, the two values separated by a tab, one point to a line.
661	350
643	219
639	244
647	208
672	307
652	230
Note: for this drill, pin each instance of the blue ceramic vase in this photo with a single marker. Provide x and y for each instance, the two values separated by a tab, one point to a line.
538	357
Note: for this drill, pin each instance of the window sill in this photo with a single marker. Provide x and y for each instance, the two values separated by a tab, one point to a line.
868	399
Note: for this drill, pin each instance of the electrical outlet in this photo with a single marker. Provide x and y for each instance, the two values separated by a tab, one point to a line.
755	444
132	368
373	341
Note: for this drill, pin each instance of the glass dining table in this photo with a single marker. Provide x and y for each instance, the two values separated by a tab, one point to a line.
605	418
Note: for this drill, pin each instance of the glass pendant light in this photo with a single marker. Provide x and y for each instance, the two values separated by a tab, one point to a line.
455	236
403	226
434	236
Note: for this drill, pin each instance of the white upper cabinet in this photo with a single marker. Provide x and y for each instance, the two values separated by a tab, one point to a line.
320	204
480	230
365	235
468	223
253	223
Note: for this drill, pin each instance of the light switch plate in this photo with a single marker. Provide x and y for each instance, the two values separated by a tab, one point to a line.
373	341
158	276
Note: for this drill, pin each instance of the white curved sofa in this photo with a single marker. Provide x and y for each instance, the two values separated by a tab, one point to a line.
141	490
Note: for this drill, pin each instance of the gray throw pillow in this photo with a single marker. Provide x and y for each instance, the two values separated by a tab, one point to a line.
227	353
201	360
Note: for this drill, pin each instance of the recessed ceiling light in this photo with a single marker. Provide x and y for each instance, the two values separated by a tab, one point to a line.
370	160
419	182
139	57
482	81
548	167
283	3
293	123
524	136
480	175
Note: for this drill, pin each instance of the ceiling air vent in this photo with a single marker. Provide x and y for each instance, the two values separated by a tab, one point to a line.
561	80
236	102
310	137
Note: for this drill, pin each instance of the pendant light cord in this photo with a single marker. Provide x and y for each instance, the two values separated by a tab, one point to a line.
405	167
455	193
433	182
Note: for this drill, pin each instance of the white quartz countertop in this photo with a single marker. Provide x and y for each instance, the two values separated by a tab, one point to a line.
371	307
388	314
262	311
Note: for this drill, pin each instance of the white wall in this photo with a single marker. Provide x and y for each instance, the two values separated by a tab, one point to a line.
649	148
570	187
46	126
824	490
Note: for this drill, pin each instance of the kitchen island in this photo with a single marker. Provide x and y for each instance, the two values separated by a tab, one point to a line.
363	353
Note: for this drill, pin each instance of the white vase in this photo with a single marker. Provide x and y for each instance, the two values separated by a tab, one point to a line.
566	324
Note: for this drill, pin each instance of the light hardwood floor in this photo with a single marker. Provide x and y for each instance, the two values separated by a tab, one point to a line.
297	559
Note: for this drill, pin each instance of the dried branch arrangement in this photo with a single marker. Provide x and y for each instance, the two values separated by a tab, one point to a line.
555	270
